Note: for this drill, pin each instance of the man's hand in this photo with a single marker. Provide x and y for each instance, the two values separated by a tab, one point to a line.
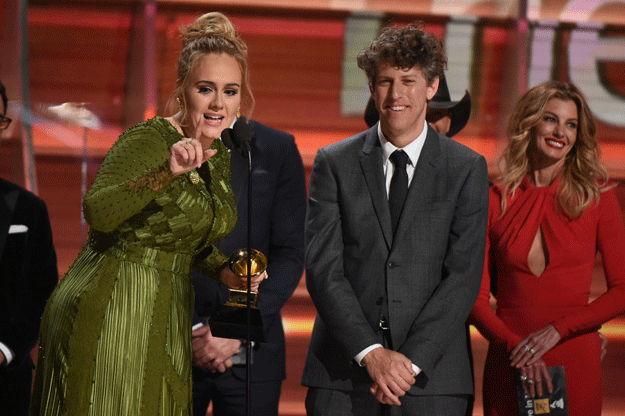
212	353
230	279
392	374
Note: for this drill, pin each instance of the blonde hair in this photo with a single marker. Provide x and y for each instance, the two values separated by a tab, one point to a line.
583	177
211	33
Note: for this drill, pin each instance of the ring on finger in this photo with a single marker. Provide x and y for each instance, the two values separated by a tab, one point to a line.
532	351
186	146
527	347
530	381
523	378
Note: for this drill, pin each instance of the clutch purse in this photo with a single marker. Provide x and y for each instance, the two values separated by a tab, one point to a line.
554	404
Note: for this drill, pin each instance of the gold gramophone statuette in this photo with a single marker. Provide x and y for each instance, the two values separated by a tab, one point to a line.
238	264
230	319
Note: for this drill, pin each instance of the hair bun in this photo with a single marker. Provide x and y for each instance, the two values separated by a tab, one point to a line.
212	24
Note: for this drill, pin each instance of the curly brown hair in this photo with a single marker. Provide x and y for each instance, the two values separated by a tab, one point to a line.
211	33
404	48
583	176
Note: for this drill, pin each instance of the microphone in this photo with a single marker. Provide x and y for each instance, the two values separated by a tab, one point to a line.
226	138
238	137
242	135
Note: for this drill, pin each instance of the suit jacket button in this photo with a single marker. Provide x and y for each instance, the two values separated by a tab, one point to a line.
392	264
379	301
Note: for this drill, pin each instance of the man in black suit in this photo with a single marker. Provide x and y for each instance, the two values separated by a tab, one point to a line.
278	209
395	235
28	274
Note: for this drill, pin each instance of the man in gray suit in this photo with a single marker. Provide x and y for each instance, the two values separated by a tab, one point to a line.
395	234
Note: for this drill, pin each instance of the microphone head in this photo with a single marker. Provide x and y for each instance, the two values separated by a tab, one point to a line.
226	138
241	132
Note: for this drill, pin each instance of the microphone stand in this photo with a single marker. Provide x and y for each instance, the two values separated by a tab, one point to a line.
248	346
239	138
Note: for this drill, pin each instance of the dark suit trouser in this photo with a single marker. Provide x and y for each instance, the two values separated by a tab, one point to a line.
325	402
227	393
15	385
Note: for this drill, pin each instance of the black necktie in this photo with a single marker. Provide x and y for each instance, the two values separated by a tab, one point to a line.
399	185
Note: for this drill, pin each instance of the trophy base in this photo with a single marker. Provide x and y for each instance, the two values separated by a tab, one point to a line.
230	321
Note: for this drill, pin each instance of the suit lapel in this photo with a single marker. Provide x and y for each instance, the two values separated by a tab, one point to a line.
8	201
371	164
422	181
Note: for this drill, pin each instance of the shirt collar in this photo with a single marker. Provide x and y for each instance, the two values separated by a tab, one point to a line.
413	150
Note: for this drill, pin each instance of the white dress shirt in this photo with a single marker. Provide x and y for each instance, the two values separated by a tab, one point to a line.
413	150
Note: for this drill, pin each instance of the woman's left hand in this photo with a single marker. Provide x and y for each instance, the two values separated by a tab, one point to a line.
533	376
534	346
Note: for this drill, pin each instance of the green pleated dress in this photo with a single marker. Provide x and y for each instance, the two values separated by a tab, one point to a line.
116	333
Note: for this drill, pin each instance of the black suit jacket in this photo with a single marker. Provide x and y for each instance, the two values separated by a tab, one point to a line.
28	274
426	277
278	209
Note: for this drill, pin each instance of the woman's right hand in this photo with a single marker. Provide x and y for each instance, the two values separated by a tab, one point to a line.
533	376
233	281
188	154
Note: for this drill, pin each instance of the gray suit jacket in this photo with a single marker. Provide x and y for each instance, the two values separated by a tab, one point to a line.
427	276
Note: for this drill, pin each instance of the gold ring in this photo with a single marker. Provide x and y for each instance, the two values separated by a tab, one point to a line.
185	145
532	351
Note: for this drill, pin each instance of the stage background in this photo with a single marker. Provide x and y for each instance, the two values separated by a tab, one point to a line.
116	60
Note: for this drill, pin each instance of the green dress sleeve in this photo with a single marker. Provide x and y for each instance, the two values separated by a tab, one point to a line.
210	262
133	173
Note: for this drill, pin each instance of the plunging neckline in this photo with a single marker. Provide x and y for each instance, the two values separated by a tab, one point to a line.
544	251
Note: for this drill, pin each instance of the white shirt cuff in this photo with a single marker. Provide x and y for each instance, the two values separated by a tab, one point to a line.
358	358
8	354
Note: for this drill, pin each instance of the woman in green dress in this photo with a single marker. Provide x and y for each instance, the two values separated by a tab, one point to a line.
116	334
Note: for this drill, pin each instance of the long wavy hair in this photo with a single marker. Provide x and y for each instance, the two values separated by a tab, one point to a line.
211	33
583	177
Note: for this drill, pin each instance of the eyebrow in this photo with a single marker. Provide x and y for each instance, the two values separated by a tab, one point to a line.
232	84
547	112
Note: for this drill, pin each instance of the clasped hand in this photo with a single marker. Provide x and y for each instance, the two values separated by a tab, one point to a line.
392	374
534	346
526	356
212	353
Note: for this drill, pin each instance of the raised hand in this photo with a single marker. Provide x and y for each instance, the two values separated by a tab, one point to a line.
188	153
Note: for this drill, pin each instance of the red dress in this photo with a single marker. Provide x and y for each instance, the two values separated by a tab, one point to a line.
526	302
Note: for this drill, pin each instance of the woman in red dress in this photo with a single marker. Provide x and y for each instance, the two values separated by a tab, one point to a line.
552	210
